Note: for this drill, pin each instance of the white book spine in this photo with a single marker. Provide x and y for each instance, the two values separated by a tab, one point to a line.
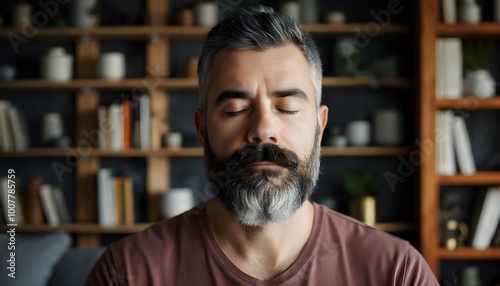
7	142
445	152
463	148
49	205
62	208
449	11
115	127
145	122
17	131
102	185
103	122
485	218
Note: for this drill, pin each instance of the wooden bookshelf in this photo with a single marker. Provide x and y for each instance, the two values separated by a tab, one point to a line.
396	226
469	103
178	83
365	151
470	254
479	179
483	30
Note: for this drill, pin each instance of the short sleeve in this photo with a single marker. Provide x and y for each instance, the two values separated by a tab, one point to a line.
106	271
417	271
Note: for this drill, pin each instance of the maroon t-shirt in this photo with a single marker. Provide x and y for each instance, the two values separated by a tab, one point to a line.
184	251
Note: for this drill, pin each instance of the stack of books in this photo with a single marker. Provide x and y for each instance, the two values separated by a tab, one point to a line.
449	68
13	128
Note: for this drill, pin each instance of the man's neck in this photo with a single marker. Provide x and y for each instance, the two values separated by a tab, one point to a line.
262	251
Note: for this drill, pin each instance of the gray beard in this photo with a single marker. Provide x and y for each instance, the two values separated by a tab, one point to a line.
258	197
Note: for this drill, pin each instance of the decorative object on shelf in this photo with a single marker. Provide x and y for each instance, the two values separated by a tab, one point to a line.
185	17
363	186
449	11
291	9
496	10
52	128
7	72
111	66
388	127
453	234
470	276
478	80
57	65
22	16
358	133
470	12
335	17
207	14
172	140
84	13
62	142
191	69
336	138
175	202
309	11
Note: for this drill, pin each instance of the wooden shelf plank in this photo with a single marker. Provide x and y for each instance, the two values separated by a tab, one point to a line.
365	82
365	151
349	29
395	226
483	30
192	152
480	178
469	103
82	228
470	253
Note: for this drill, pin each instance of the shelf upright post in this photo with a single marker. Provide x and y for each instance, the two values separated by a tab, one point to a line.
429	194
87	102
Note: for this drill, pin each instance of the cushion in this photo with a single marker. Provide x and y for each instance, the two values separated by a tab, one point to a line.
35	254
75	266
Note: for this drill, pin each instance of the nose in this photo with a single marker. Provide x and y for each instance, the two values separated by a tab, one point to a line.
263	126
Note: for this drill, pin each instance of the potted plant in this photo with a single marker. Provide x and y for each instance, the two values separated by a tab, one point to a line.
363	186
478	80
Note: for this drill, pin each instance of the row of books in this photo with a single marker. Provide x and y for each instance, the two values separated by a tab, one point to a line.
485	224
129	124
42	201
115	198
453	145
13	128
449	68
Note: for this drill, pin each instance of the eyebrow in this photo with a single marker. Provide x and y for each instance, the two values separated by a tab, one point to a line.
241	94
291	92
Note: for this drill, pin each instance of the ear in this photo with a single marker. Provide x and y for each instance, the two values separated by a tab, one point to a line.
323	119
199	119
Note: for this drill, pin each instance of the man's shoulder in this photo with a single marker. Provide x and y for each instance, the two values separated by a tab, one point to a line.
348	230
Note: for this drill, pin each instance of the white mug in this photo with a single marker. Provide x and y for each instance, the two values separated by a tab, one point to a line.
52	127
176	201
207	14
358	133
291	9
111	66
388	127
56	65
173	140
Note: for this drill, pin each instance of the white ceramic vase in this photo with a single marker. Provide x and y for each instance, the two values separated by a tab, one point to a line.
52	127
479	83
111	66
470	12
56	65
358	133
207	14
388	127
176	201
81	15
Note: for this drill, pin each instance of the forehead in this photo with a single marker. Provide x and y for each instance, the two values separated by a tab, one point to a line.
278	67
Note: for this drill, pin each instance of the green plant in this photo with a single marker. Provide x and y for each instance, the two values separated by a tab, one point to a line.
475	54
362	183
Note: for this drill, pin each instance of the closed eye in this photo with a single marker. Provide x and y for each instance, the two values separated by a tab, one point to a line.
235	113
288	112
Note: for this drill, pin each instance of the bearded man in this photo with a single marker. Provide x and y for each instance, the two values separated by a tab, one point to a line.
261	122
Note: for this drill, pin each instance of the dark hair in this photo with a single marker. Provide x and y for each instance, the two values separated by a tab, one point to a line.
257	28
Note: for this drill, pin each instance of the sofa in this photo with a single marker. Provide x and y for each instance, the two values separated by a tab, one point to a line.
46	260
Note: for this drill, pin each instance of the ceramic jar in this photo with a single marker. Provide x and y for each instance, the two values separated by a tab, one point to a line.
470	12
52	128
388	127
175	202
358	133
82	14
479	83
111	66
207	14
57	65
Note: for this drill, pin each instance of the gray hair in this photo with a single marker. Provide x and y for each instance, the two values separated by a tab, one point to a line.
257	28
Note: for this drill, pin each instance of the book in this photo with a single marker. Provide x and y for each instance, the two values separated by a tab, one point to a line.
127	124
449	11
103	121
145	122
119	200
485	217
463	148
446	165
449	68
62	208
6	141
116	127
34	213
18	133
128	199
49	205
103	199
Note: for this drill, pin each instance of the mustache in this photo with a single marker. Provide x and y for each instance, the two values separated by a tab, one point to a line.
264	152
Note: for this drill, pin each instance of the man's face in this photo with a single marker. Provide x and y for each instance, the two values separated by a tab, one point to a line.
263	129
